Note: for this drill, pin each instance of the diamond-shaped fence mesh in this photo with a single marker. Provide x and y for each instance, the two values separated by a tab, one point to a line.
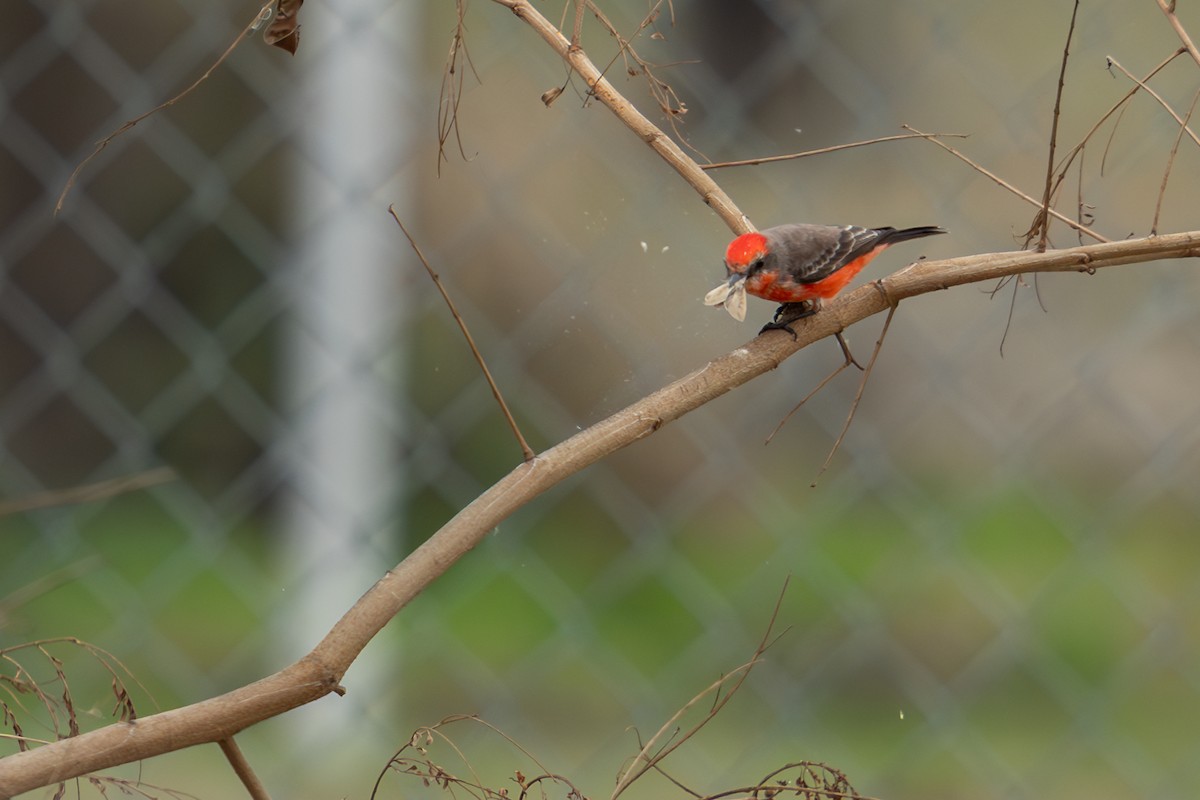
993	587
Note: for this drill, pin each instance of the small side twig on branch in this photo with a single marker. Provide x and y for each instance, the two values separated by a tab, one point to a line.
1040	229
1162	191
1005	184
526	451
577	28
820	151
812	393
264	14
1166	106
245	773
1078	149
101	490
858	395
46	583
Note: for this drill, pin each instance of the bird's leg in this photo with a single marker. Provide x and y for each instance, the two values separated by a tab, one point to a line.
788	313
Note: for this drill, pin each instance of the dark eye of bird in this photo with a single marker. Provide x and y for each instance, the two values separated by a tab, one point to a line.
756	265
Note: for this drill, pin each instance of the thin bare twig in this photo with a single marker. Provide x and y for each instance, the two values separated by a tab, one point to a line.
651	134
101	490
1112	135
1005	184
672	779
824	382
1162	191
577	29
526	450
264	14
1120	105
862	386
1182	121
1017	282
1040	229
750	162
242	768
664	95
1166	106
46	583
129	788
643	762
450	94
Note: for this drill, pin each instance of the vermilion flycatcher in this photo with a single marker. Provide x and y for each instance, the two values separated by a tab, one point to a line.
800	266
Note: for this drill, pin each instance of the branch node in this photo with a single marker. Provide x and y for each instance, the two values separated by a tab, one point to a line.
881	287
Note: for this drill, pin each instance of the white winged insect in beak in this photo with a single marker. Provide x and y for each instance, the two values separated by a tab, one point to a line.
731	293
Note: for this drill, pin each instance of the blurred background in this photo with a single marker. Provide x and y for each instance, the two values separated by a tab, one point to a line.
993	587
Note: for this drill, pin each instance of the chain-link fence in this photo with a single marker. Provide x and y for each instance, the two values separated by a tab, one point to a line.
993	586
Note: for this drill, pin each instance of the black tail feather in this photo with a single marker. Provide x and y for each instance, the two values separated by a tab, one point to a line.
892	235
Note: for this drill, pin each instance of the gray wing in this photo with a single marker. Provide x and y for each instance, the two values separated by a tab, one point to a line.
817	251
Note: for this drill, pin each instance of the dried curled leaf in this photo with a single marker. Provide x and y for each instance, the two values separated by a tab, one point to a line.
718	295
550	95
732	295
735	304
284	31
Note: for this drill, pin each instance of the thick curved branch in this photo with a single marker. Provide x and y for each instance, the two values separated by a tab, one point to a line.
320	672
